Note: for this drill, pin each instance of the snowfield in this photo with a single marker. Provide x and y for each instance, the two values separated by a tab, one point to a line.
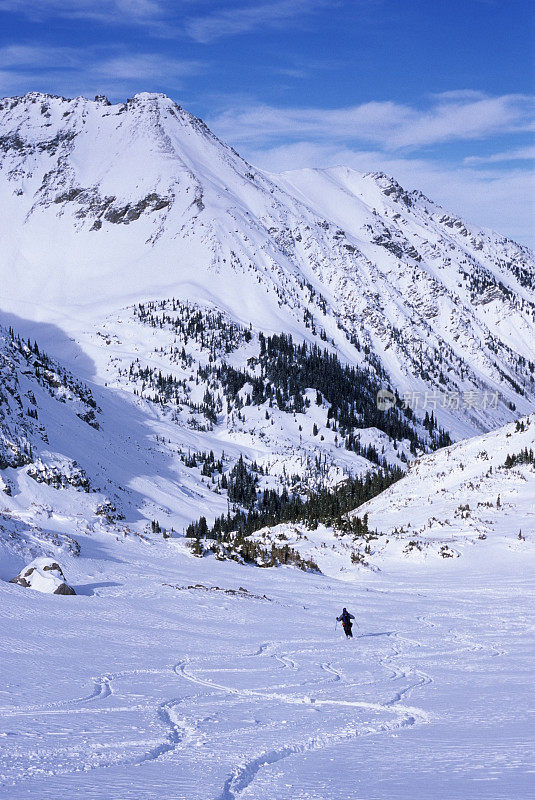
170	676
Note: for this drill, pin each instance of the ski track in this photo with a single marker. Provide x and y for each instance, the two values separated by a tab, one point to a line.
425	620
262	649
466	644
402	671
413	712
423	680
266	649
244	774
286	661
469	644
181	734
327	666
463	642
101	690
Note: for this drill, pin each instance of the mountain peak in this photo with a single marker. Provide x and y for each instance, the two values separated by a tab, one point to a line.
158	96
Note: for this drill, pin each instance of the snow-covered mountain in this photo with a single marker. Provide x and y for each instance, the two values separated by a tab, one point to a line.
107	205
462	501
173	308
476	489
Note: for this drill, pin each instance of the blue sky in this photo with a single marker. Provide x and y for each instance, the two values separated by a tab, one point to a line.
439	93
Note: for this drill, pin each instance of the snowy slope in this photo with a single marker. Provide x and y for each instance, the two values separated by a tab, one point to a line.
460	502
100	455
109	205
172	677
483	488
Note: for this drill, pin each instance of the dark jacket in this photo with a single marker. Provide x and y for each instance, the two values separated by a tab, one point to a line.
345	617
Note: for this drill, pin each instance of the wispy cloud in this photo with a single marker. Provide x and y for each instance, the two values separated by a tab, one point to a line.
71	71
147	67
519	154
104	10
469	119
495	190
244	18
390	125
37	57
204	21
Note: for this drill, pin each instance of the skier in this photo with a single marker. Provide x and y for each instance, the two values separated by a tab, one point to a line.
345	618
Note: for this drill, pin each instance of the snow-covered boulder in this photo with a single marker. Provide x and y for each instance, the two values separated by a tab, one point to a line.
45	575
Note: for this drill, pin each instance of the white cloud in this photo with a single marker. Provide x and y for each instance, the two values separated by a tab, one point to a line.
387	124
380	136
173	19
96	70
468	119
105	10
38	57
148	66
520	154
243	18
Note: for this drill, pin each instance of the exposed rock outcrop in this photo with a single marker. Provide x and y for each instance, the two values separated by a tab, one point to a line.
44	575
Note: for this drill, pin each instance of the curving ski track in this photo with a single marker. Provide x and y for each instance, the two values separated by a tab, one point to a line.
244	774
181	734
